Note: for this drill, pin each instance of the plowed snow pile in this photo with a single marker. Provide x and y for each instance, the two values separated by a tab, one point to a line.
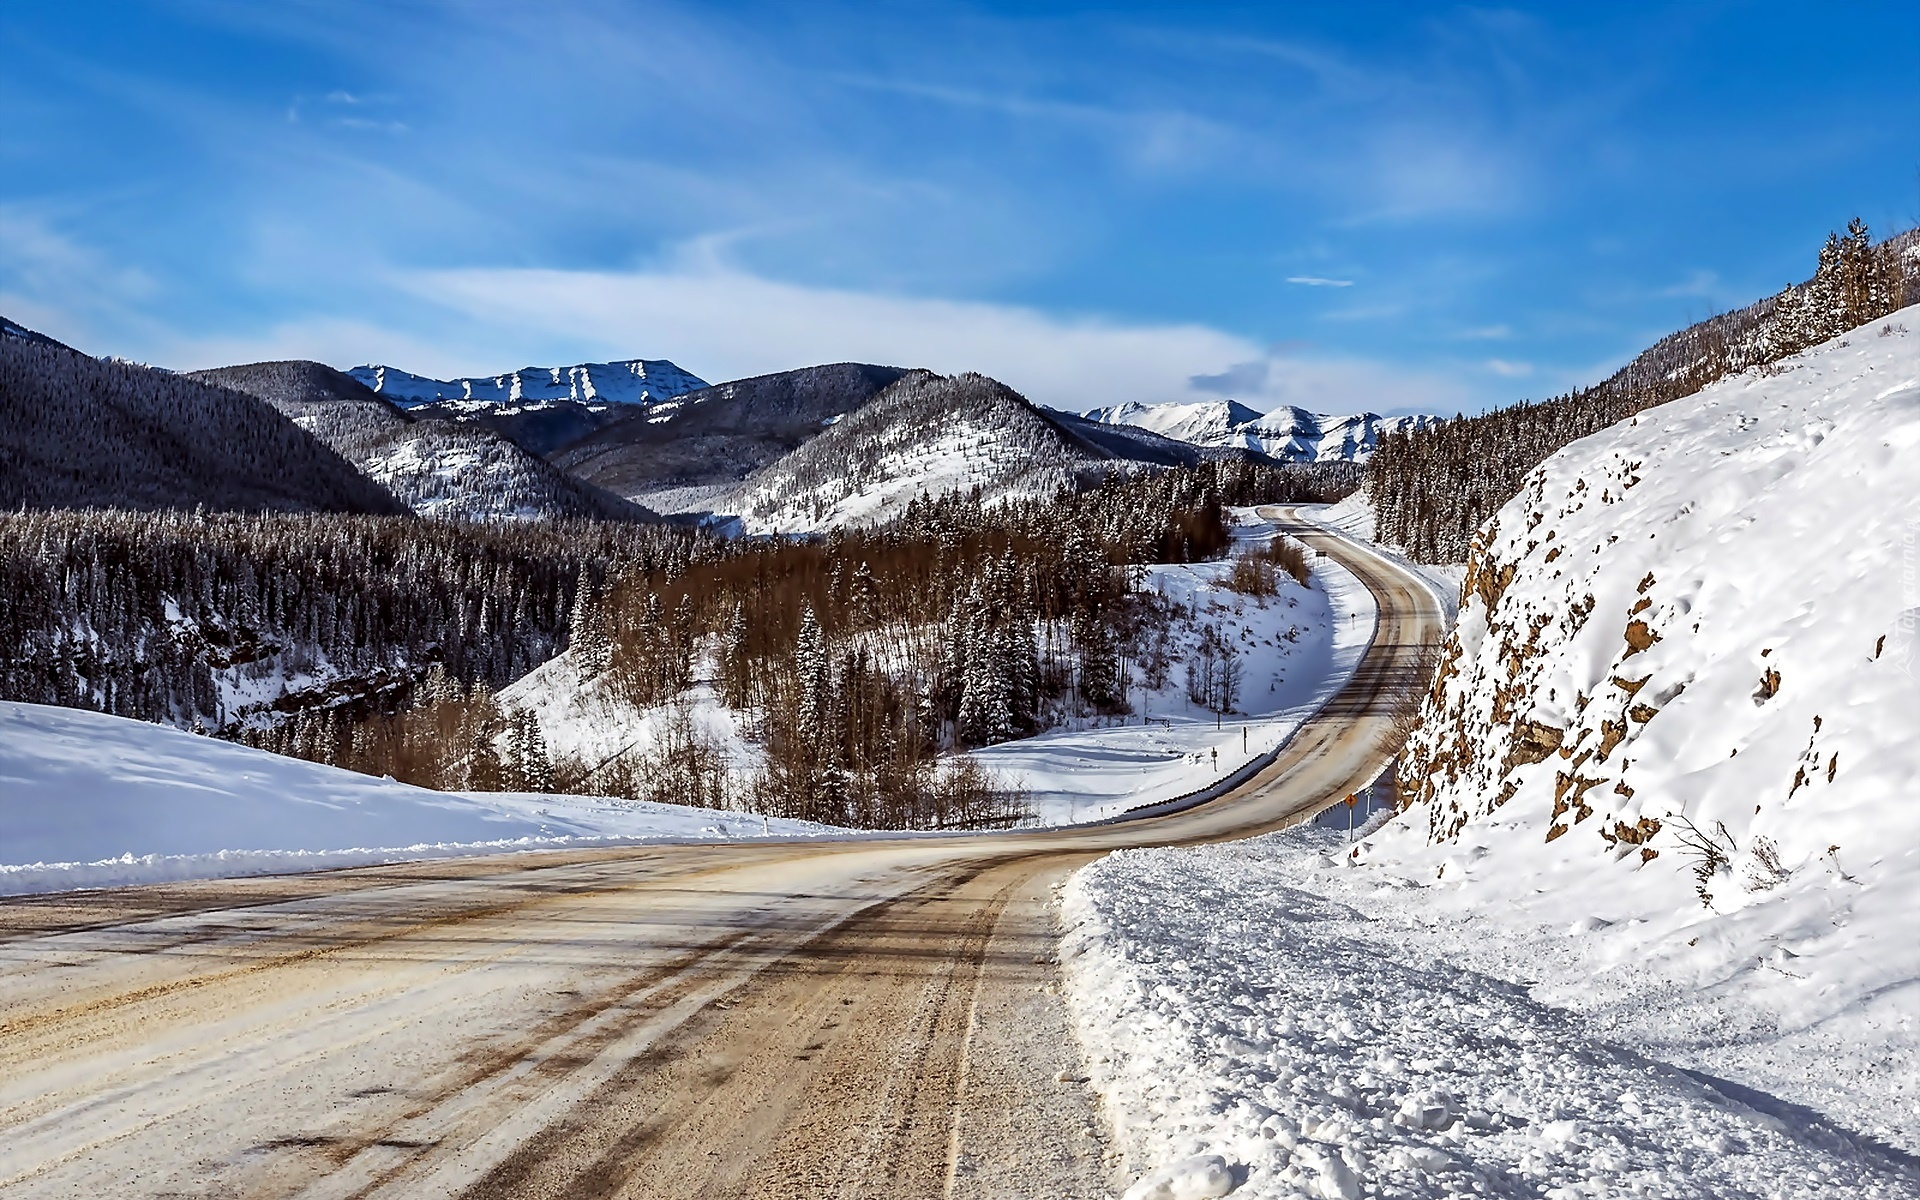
1650	929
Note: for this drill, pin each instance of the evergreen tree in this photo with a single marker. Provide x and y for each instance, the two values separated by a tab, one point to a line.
588	638
1099	663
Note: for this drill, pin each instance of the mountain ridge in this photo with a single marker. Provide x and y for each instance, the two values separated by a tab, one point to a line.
715	437
623	381
83	432
1286	434
438	468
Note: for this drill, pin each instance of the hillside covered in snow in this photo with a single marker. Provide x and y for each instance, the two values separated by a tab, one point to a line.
1677	716
927	434
1287	434
94	800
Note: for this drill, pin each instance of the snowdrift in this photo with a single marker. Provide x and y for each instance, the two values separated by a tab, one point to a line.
91	800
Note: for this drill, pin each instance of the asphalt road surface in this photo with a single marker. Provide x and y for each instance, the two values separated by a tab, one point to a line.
872	1018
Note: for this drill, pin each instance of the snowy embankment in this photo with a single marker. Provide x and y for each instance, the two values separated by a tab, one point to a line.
1249	1031
1650	931
1296	648
88	800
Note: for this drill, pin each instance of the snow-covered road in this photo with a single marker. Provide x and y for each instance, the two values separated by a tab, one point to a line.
800	1019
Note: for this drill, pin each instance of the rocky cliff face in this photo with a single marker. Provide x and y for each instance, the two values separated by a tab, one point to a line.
1687	647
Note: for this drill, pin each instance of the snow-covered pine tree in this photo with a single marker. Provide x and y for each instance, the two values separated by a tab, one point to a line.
1099	662
815	683
588	637
535	766
1826	302
736	661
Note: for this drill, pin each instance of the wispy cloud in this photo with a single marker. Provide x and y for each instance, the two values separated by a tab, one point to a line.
1319	281
1485	333
1508	369
694	307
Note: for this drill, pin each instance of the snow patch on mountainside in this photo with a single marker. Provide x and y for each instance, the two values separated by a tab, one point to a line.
585	720
634	381
1287	433
954	461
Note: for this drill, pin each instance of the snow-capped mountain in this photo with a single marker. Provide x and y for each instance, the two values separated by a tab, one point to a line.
1676	718
1288	434
635	381
925	434
438	468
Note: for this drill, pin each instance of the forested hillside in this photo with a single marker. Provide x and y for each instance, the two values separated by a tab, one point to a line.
378	643
438	468
79	432
1433	488
856	659
229	621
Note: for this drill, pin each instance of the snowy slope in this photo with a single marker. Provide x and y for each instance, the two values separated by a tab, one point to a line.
1678	720
437	468
1287	433
1297	649
586	721
925	434
634	381
89	800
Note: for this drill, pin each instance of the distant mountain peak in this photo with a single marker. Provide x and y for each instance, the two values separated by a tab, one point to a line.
630	381
1287	433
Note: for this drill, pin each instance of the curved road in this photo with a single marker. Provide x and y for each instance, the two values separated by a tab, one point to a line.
875	1018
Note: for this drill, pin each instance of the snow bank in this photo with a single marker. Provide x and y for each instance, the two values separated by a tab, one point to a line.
88	800
1241	1024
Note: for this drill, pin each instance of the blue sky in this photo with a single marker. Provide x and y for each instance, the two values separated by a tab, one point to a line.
1387	206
